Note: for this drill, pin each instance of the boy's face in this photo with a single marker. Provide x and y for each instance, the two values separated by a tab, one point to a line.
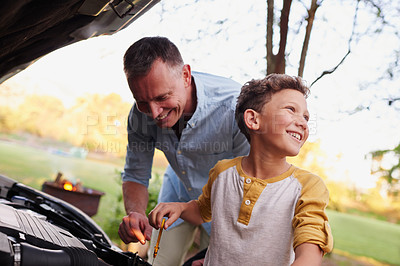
283	123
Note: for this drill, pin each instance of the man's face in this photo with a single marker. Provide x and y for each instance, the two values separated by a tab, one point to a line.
284	120
163	94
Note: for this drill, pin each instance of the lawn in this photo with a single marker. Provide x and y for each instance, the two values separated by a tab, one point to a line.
366	237
356	235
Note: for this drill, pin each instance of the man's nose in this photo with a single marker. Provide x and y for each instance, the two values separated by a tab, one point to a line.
154	109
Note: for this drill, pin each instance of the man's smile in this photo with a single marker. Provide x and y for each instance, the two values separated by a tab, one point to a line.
161	117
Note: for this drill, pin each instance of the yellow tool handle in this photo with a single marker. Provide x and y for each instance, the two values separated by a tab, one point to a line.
156	247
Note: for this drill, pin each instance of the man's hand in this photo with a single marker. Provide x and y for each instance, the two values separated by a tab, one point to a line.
135	227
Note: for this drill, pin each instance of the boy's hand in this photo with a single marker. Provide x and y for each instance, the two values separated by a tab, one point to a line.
172	210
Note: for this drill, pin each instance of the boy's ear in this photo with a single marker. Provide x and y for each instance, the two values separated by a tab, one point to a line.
251	119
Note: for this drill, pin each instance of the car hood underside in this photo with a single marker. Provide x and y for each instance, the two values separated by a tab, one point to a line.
30	29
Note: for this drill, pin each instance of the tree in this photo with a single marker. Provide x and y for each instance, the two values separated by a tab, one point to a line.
387	166
98	123
383	21
287	32
276	63
41	115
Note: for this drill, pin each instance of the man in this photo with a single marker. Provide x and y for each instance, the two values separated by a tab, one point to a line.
190	117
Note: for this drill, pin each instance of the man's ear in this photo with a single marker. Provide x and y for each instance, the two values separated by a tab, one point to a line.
251	119
187	75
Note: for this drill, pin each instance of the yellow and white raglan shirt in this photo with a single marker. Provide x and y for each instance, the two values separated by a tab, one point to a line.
261	222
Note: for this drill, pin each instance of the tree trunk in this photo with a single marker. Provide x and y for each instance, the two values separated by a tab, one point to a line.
310	21
270	34
284	25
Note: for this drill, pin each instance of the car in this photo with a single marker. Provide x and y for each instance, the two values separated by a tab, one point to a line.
35	227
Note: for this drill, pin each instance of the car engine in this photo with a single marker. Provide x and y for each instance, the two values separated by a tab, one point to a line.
39	229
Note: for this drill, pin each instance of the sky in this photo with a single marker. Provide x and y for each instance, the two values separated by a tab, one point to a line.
227	38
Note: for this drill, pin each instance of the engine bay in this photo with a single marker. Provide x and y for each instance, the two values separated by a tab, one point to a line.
39	229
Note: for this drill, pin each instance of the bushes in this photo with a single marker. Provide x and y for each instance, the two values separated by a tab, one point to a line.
110	223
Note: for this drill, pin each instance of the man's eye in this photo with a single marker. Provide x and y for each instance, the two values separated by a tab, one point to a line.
162	98
141	106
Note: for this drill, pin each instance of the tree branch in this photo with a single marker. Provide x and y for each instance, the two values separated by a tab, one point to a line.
326	72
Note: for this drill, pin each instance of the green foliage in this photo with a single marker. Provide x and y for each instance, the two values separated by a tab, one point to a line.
390	175
115	214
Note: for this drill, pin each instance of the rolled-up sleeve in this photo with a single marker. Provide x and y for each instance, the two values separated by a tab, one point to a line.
140	150
310	222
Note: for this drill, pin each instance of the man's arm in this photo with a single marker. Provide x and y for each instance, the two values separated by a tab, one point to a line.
241	146
308	254
136	197
135	226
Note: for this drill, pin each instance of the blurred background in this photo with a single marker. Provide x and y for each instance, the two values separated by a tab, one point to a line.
67	112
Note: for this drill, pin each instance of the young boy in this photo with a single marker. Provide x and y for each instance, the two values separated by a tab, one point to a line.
264	211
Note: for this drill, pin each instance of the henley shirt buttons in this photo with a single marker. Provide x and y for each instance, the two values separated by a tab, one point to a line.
247	202
189	189
183	173
179	152
248	180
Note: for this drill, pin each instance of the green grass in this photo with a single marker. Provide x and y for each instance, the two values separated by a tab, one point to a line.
362	236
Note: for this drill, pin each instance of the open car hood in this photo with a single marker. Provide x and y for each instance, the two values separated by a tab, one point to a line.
30	29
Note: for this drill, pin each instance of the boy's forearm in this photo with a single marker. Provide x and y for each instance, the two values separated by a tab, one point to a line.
308	254
191	213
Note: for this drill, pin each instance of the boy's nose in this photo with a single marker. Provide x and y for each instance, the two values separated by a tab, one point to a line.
302	122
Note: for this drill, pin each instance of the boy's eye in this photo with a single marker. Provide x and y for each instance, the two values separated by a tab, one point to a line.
307	118
291	108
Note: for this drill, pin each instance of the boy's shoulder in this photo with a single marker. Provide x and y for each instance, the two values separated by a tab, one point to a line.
225	164
307	178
